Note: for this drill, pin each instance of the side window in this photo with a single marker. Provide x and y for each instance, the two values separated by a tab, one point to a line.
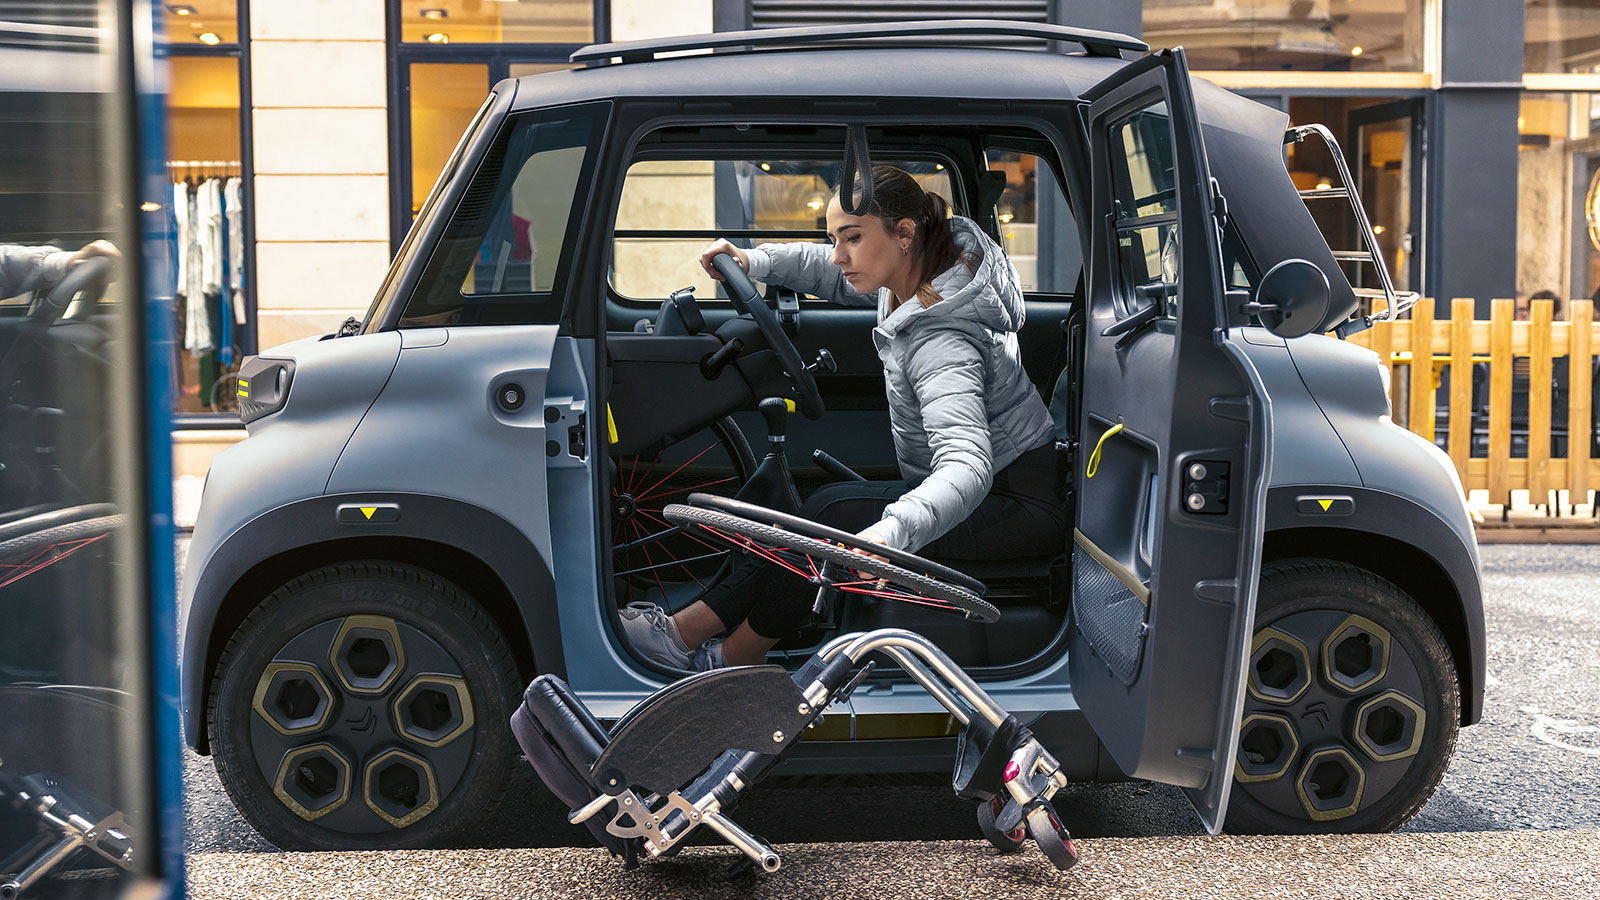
1037	228
1145	210
502	254
671	209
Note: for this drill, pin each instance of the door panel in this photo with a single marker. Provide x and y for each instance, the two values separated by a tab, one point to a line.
1174	460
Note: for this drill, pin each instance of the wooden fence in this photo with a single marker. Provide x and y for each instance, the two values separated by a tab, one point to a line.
1486	421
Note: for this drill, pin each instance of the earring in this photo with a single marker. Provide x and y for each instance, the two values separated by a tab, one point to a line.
905	249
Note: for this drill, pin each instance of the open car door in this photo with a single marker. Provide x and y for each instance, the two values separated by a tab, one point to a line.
1175	437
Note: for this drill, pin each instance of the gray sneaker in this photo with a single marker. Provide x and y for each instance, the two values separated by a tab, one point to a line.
654	635
708	656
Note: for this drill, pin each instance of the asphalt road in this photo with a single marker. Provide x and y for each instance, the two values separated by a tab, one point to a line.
1532	764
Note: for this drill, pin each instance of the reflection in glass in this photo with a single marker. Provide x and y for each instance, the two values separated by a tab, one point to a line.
1309	35
70	657
444	97
1561	36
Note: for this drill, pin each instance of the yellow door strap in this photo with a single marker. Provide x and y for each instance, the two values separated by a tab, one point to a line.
1094	458
611	425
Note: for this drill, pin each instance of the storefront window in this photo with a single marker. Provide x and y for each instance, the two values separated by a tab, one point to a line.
1561	36
444	97
212	316
208	22
1558	197
497	22
1313	35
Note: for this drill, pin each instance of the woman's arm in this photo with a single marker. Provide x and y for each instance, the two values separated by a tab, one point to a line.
807	268
946	372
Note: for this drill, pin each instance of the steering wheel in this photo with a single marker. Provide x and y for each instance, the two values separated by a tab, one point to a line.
824	557
88	278
748	299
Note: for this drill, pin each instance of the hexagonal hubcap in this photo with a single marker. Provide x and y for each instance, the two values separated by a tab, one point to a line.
362	704
1330	719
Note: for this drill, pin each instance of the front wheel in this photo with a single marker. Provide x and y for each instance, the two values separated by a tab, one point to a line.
363	706
1352	705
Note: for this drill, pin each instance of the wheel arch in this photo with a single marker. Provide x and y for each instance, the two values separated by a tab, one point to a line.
504	573
1410	569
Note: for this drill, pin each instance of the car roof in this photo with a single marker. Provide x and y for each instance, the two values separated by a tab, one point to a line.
843	73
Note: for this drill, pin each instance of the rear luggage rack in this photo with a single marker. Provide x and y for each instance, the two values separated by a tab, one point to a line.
1396	302
1097	43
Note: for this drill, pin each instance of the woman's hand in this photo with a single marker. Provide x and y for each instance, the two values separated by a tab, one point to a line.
870	537
738	255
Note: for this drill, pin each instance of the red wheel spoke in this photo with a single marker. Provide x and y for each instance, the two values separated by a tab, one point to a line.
763	552
653	571
687	534
683	489
47	556
660	482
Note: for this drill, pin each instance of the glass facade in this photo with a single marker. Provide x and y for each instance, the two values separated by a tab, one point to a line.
1558	197
1561	36
505	21
1306	35
78	808
202	22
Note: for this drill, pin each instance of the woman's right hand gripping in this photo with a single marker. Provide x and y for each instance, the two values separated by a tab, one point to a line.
723	247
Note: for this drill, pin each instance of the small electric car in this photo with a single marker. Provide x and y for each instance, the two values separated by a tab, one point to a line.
1271	597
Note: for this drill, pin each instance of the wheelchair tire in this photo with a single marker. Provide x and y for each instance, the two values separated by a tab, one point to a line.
1045	827
363	706
1004	841
959	599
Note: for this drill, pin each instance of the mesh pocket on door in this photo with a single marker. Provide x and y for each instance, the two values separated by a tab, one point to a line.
1109	614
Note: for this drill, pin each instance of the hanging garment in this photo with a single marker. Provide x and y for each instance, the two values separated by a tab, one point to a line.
233	201
196	328
211	231
180	213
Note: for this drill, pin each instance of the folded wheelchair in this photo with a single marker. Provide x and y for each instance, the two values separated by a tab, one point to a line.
682	757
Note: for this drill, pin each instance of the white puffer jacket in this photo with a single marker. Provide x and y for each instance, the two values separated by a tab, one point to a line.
960	403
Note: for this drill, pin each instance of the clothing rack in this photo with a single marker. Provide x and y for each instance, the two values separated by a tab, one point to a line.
204	168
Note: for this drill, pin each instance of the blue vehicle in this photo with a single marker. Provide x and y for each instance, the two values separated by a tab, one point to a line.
1271	597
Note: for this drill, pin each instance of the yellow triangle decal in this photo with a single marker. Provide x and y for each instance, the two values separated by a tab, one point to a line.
369	510
1325	505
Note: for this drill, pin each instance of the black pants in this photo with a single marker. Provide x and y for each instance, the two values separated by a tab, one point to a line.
1023	515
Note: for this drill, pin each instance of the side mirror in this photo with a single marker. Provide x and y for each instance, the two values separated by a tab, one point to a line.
1292	298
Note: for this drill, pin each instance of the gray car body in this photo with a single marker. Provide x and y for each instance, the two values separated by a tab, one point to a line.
409	418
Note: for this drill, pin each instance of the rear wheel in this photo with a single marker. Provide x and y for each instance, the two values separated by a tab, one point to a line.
1352	705
363	706
648	552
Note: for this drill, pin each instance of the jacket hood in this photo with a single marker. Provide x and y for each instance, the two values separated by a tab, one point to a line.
989	294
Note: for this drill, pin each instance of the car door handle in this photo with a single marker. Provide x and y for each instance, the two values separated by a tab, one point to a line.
1134	322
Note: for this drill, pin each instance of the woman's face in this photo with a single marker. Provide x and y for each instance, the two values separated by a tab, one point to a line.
869	254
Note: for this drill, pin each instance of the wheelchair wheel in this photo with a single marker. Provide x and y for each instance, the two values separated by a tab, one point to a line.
648	552
1053	839
824	556
1004	841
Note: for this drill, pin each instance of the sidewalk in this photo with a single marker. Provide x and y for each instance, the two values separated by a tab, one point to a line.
1489	865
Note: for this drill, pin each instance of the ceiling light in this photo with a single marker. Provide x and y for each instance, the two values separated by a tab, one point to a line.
1006	218
815	204
438	37
1377	229
938	167
181	10
766	167
1324	185
1355	51
210	37
435	14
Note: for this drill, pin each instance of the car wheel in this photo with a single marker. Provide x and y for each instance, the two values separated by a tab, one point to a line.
364	706
1352	705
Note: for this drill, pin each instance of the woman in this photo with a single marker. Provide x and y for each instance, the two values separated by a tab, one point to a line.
972	437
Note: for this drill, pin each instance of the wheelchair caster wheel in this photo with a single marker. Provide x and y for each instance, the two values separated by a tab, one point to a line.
1054	840
1004	841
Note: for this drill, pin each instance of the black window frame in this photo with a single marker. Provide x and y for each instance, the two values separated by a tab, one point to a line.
446	265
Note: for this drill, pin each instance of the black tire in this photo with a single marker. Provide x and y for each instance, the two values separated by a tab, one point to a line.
1004	841
1335	748
28	546
402	748
770	536
1045	827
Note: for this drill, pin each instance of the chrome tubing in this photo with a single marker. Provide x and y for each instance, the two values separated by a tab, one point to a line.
747	843
900	644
